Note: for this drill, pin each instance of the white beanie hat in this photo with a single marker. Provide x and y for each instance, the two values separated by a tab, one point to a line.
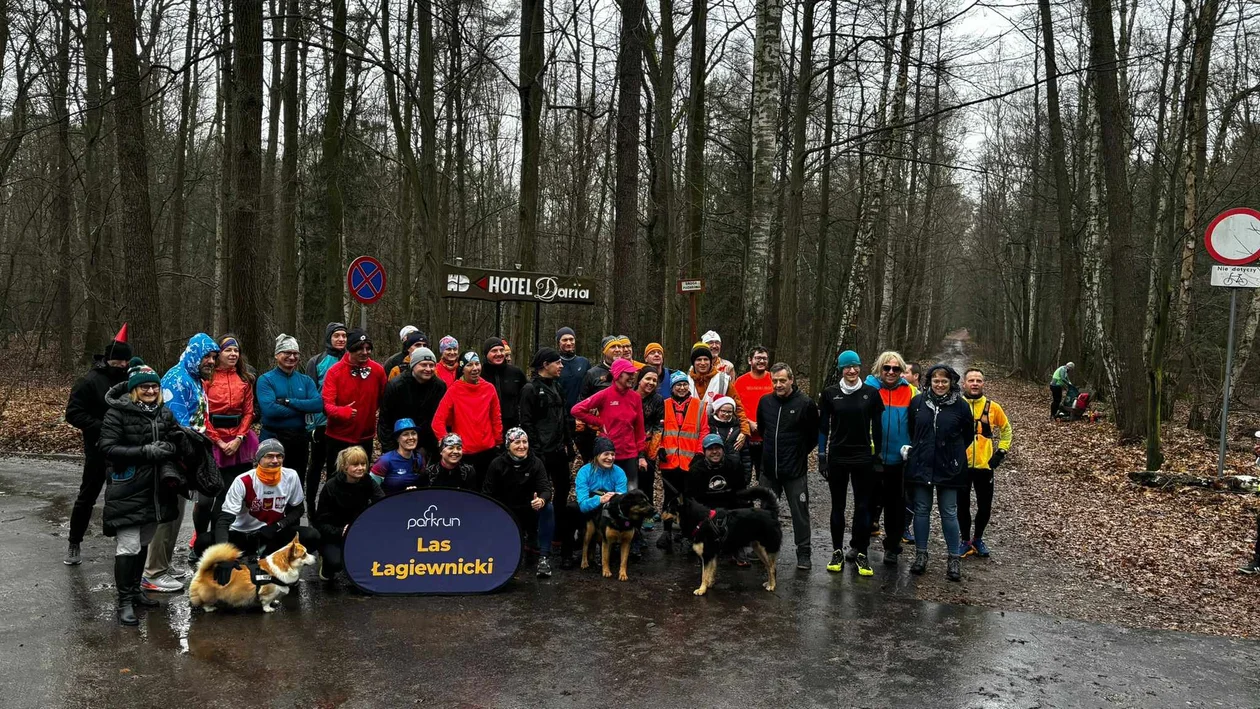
407	330
710	336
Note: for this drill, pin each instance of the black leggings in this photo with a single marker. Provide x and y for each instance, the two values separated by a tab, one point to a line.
1056	398
204	515
863	479
982	481
256	543
332	556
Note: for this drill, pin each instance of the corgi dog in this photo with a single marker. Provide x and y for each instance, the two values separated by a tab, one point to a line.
243	589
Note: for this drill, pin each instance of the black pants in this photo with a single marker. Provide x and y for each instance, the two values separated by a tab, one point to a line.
557	465
481	463
89	489
297	450
206	511
982	481
1056	398
754	450
891	495
315	470
862	476
332	555
332	447
259	544
630	466
584	440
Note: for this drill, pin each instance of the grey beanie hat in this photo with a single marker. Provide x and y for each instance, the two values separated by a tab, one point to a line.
286	343
271	445
422	354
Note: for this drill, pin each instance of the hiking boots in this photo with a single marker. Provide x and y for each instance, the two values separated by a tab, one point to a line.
72	555
837	561
863	566
802	560
920	561
851	554
953	568
891	558
544	567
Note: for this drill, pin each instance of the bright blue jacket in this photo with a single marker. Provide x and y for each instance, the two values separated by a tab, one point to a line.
896	421
591	478
303	398
181	385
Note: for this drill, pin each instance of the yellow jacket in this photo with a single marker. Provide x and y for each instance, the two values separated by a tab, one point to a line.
981	448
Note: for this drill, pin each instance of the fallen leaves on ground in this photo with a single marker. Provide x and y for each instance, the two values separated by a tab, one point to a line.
32	413
1102	548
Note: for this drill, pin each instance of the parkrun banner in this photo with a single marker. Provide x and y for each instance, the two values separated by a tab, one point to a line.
486	284
435	540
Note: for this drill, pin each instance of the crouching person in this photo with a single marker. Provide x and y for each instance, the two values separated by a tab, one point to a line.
138	440
519	481
342	498
596	483
264	506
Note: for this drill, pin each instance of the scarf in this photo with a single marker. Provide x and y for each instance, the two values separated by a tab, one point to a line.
360	372
847	389
269	476
945	400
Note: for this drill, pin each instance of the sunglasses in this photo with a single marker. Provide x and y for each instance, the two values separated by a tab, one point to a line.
891	368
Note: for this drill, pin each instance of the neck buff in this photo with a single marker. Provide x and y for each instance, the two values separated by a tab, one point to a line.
269	476
849	389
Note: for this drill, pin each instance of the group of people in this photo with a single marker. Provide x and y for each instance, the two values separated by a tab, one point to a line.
259	453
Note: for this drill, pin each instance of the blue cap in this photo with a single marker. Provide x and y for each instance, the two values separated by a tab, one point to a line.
712	440
848	358
677	377
404	425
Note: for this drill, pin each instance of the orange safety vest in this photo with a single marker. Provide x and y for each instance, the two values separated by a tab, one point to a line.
681	439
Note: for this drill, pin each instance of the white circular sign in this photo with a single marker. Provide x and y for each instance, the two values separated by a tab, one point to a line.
1233	237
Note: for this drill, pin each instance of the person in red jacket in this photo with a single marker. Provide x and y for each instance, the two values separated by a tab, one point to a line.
618	412
352	395
470	408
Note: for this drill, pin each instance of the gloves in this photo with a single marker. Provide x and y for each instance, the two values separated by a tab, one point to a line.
158	450
905	452
661	456
822	467
999	455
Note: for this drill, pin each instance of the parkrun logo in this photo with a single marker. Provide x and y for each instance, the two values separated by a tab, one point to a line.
431	519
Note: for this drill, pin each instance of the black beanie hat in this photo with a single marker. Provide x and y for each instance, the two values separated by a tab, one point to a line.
357	338
604	445
489	344
700	351
544	357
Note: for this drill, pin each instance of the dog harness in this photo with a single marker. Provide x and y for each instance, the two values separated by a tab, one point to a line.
620	523
224	569
719	531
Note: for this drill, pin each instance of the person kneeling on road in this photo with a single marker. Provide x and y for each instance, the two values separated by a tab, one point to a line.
263	507
715	478
519	481
597	482
450	470
342	498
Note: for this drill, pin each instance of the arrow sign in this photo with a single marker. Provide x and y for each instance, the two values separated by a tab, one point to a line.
365	280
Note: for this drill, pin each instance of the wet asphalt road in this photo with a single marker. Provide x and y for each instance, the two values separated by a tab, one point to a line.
577	640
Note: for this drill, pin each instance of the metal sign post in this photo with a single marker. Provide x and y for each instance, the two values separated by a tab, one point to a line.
1232	239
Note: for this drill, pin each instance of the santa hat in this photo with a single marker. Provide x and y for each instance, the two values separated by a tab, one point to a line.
118	348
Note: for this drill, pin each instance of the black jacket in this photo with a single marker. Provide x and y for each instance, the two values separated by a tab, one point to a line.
598	378
851	425
464	477
405	397
715	486
515	482
508	381
86	408
544	414
789	431
940	436
729	432
142	483
340	501
654	414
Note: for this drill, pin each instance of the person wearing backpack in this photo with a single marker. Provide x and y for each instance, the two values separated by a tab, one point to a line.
990	443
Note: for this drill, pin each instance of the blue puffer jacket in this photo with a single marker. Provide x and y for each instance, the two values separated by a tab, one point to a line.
942	433
301	393
591	478
896	420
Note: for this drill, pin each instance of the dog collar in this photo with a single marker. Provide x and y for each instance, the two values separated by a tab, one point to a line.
712	514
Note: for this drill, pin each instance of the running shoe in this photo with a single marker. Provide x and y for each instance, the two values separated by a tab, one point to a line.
72	555
978	547
907	537
1251	569
161	584
864	566
851	554
953	569
837	561
965	549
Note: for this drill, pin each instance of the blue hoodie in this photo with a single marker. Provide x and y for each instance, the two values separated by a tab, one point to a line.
181	385
591	478
895	421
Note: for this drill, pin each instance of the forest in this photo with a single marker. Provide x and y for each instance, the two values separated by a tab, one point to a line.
840	174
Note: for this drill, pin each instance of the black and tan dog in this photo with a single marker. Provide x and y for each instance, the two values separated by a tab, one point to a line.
718	533
620	518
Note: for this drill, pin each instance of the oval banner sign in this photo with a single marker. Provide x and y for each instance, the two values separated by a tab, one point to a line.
433	540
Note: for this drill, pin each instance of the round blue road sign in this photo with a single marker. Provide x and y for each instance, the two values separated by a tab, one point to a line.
366	280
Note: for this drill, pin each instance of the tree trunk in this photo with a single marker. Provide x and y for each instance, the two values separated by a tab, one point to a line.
817	338
287	243
665	246
793	220
249	251
64	198
328	280
144	303
530	89
625	227
693	167
765	120
96	276
432	239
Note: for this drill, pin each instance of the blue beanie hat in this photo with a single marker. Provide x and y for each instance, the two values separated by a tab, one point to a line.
848	358
677	377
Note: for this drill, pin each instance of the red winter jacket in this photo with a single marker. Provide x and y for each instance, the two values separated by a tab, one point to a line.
472	411
343	387
619	415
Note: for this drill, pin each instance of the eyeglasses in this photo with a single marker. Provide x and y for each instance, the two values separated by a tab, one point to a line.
891	368
288	354
149	387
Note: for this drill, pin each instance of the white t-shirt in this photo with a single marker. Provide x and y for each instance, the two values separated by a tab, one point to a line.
256	505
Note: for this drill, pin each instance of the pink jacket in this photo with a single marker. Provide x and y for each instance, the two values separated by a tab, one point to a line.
619	415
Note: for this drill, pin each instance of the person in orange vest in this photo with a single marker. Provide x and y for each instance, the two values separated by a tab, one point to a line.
685	425
750	387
